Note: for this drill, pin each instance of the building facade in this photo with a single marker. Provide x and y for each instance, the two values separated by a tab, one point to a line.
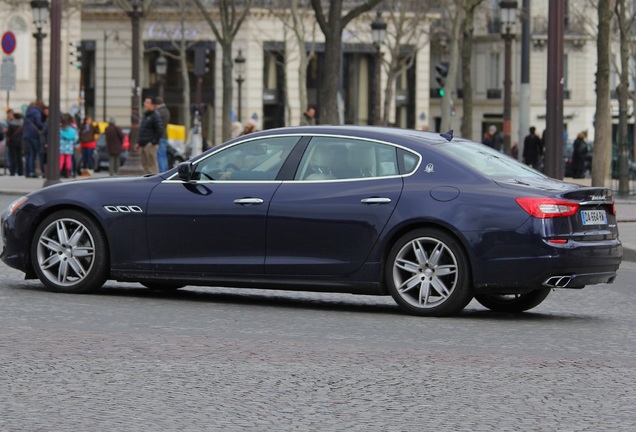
270	88
18	19
579	65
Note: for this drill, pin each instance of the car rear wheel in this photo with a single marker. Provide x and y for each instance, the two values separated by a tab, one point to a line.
69	253
513	303
428	274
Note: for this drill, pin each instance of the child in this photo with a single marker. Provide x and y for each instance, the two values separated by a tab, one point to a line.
68	137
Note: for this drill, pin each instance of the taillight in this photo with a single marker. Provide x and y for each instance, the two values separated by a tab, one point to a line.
612	209
544	208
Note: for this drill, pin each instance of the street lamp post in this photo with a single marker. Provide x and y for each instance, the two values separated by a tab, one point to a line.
508	18
133	162
53	134
240	71
554	101
161	68
40	9
135	16
378	33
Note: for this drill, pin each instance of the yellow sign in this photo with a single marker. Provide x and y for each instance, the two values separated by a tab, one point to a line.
176	132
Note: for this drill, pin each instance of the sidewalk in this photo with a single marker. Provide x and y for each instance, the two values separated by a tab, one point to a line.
625	207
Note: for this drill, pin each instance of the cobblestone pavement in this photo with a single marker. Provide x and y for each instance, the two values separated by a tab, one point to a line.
130	359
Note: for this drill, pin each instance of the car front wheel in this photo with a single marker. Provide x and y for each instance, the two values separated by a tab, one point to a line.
513	303
69	253
428	273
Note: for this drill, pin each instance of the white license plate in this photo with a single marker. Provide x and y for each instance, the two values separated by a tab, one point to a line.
594	217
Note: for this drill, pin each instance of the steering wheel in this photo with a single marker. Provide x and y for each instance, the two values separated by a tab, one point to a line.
231	166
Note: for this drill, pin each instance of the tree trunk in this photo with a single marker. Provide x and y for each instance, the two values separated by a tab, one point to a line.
467	83
332	28
226	70
389	91
183	49
329	84
602	155
623	97
299	32
451	78
186	90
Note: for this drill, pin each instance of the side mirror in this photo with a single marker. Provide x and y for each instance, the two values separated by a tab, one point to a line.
185	171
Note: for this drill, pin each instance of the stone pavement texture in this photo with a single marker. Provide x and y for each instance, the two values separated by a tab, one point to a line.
625	206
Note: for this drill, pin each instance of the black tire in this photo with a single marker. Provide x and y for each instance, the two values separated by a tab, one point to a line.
69	253
427	273
161	286
513	303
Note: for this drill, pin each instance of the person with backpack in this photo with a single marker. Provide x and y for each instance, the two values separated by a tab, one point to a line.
33	127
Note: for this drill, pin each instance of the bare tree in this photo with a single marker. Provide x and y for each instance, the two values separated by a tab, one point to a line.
332	25
181	46
294	14
405	39
602	153
231	18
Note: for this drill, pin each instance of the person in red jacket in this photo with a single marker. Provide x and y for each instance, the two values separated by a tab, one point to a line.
88	141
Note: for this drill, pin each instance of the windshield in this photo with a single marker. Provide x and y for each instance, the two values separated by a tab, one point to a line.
487	161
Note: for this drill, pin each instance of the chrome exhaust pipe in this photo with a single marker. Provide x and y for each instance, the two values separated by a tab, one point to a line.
557	281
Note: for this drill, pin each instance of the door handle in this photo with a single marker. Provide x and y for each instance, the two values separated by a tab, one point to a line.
375	200
248	201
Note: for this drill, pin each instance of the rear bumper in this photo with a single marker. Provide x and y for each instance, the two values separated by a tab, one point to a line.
558	267
579	280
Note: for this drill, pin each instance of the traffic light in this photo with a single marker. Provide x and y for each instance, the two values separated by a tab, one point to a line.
442	72
75	54
201	61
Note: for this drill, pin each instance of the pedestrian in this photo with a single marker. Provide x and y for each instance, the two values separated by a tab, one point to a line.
114	142
44	143
579	154
237	129
250	126
14	135
150	132
33	125
88	141
162	157
491	139
68	137
309	117
532	149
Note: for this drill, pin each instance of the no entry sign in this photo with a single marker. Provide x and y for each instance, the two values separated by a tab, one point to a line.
8	42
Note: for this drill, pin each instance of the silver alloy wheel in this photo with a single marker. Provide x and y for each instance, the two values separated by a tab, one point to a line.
425	272
65	252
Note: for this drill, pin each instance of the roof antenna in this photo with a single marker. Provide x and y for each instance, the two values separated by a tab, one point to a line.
448	136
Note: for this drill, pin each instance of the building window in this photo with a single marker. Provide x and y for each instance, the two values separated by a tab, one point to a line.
495	81
566	86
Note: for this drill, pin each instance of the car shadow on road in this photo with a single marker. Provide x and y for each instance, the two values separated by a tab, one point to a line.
309	301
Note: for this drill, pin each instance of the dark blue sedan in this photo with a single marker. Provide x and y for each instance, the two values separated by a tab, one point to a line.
431	220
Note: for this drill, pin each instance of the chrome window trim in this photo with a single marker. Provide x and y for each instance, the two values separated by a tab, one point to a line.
172	179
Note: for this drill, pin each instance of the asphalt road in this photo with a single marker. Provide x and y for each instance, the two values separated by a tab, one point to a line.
131	359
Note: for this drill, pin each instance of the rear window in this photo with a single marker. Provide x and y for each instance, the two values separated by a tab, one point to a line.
488	161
